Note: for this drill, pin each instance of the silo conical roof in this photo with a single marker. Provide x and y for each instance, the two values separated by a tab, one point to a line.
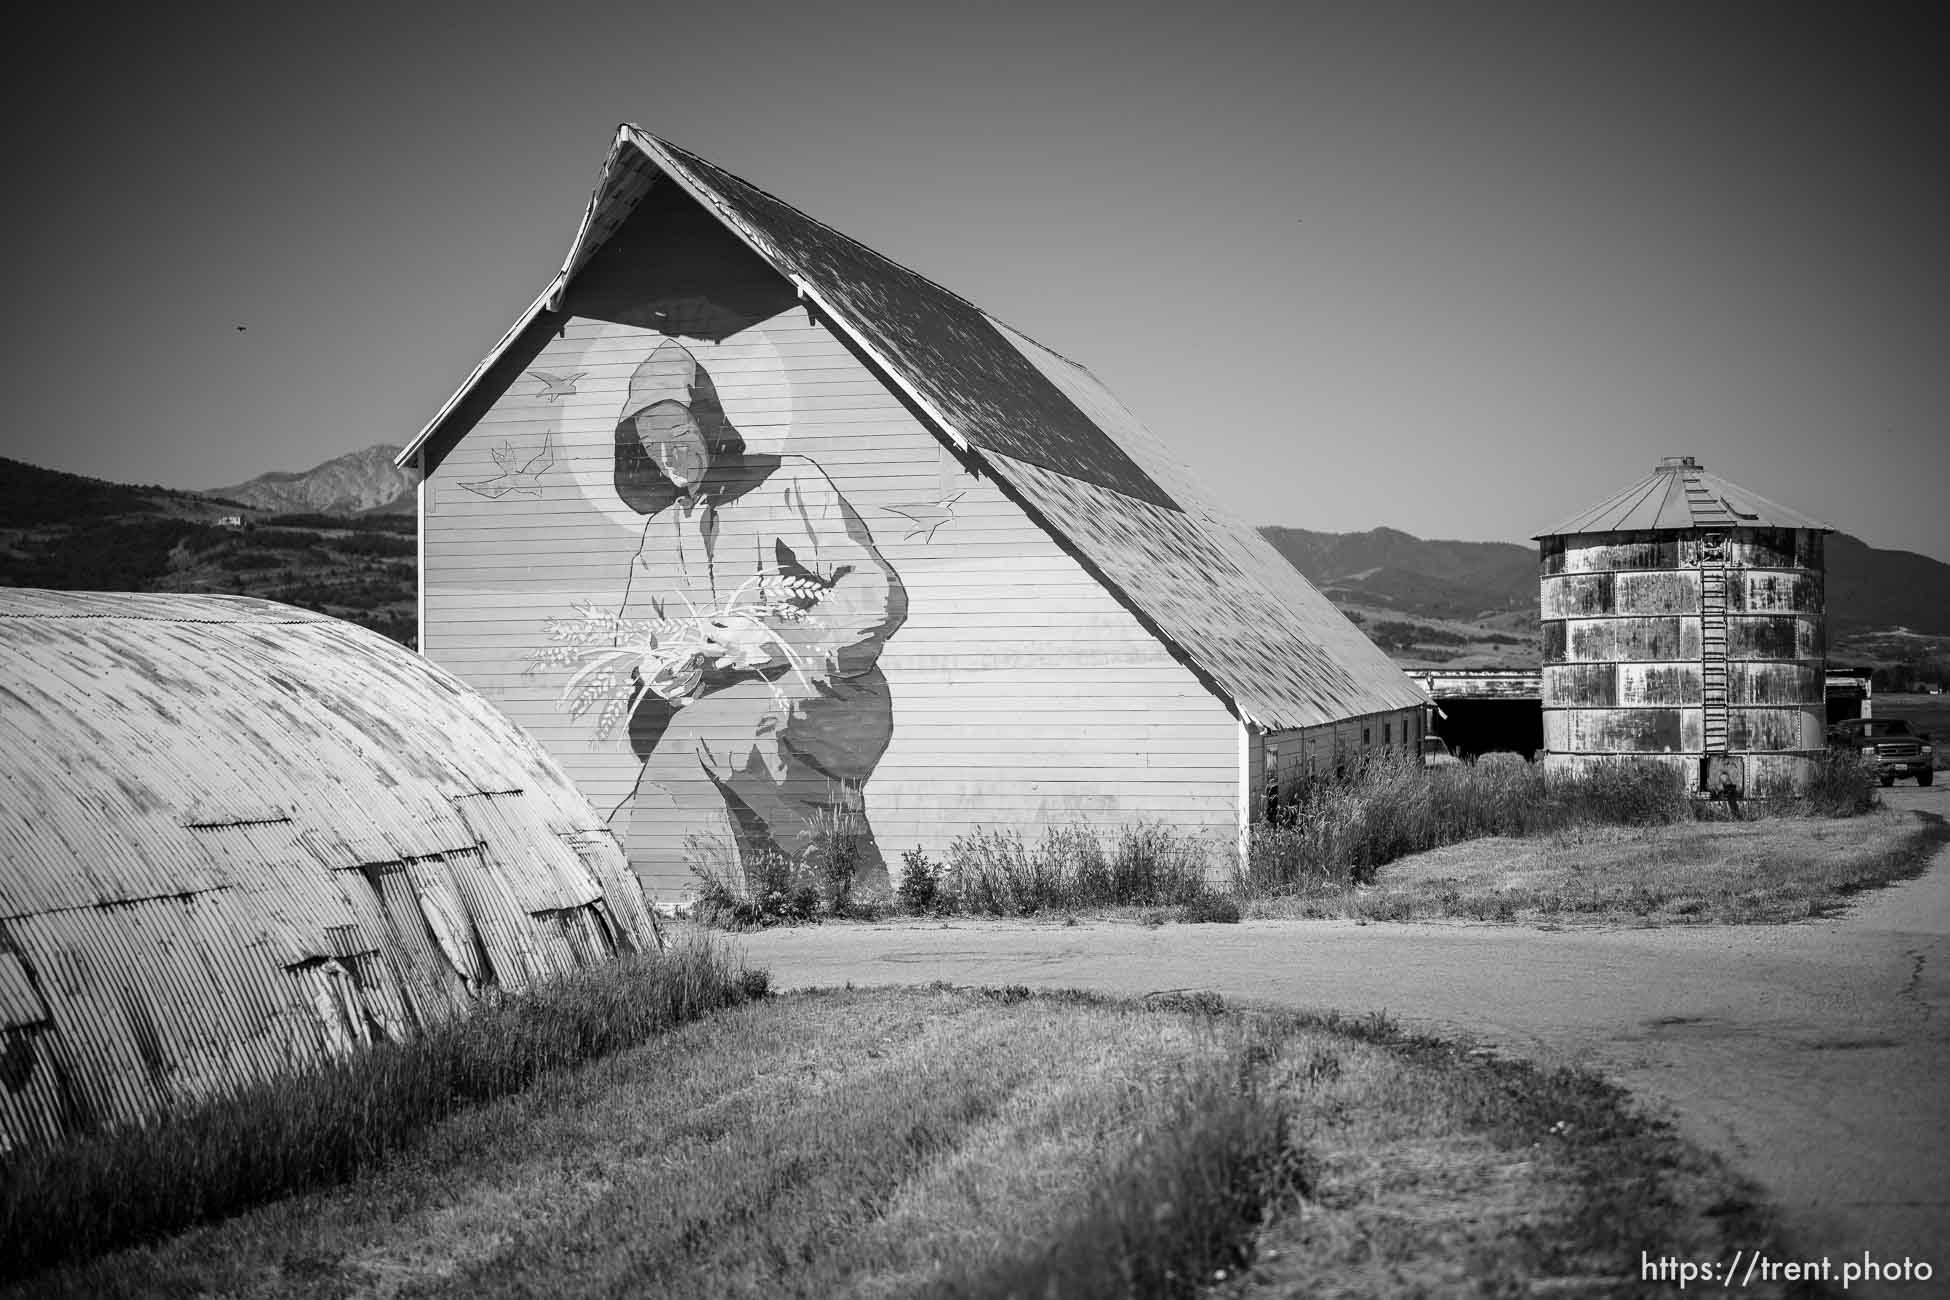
1678	496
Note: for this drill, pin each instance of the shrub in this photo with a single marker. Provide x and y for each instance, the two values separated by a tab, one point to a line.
919	888
747	889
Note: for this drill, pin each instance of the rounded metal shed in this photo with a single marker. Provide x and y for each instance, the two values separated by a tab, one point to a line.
1683	621
239	839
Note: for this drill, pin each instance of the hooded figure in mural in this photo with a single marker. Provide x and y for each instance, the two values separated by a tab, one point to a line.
764	712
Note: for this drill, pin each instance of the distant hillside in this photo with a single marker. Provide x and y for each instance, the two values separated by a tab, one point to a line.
1383	566
1871	588
1475	603
80	534
359	482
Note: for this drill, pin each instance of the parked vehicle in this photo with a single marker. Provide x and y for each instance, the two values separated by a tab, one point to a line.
1890	745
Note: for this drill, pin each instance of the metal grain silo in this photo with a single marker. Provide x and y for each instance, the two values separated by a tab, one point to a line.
1683	622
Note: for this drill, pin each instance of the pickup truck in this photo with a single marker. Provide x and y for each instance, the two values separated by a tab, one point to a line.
1890	745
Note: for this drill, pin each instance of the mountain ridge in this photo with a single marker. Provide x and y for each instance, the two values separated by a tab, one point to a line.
359	482
1426	602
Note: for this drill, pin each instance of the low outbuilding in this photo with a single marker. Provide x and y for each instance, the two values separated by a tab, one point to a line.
240	839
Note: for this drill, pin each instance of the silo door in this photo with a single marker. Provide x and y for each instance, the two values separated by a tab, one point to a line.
1724	776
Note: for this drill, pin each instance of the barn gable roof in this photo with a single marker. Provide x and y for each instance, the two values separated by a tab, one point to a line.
281	834
1211	588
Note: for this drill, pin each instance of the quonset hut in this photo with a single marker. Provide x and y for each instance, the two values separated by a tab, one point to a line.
1683	622
239	839
763	534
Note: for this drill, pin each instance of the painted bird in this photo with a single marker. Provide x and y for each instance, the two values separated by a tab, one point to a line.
554	386
925	517
525	481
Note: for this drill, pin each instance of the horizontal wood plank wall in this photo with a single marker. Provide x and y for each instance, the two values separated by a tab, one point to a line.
1022	693
1282	762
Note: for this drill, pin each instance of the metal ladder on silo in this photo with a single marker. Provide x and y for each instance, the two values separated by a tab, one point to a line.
1713	648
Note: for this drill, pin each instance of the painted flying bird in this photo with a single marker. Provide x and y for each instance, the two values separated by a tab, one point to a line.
925	517
524	481
554	386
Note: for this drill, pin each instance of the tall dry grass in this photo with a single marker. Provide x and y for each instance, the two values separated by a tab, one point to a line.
1336	833
274	1139
998	873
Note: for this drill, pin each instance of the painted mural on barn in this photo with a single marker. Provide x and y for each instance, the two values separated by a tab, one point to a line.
738	659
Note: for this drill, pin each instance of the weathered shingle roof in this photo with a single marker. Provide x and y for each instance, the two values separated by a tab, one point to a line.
1679	495
1225	602
233	833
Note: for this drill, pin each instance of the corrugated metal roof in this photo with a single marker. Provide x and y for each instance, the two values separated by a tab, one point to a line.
205	799
1678	496
1248	622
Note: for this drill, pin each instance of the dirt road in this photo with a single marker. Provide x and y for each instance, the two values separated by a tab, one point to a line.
1815	1056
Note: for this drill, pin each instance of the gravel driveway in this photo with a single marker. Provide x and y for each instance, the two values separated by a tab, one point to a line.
1815	1056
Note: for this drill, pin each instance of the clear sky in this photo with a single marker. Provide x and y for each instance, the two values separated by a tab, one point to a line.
1460	269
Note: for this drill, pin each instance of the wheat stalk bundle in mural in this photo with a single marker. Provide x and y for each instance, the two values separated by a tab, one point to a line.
616	663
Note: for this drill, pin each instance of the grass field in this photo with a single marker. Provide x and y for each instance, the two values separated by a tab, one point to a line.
1770	869
980	1143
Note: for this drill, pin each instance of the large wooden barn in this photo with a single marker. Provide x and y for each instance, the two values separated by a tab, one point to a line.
763	534
239	839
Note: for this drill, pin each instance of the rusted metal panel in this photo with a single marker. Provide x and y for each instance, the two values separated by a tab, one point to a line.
1776	730
1557	763
1777	548
1768	592
1660	684
1612	552
1623	731
1580	686
1664	592
1617	640
1757	681
1776	636
211	805
1579	595
1621	594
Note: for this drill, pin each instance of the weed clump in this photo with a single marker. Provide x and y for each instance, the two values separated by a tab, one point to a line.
746	889
919	889
1182	1210
1842	786
994	872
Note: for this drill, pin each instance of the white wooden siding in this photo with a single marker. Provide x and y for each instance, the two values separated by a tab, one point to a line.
1023	694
